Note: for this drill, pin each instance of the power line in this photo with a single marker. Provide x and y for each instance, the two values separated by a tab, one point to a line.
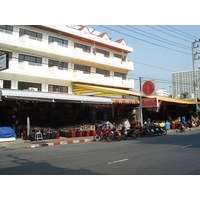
152	66
151	37
145	40
173	43
185	34
168	33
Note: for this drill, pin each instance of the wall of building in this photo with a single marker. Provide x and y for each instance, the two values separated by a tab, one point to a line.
45	75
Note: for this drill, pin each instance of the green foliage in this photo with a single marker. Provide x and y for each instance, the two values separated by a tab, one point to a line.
185	95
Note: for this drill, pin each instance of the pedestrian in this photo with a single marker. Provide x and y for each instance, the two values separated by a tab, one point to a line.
183	120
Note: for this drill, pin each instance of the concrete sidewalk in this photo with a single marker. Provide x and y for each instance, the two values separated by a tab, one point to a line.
19	143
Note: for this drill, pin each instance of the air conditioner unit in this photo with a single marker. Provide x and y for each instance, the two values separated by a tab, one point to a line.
32	89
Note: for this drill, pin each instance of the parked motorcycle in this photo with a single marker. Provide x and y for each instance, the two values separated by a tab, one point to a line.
103	133
158	129
143	132
116	135
181	127
129	133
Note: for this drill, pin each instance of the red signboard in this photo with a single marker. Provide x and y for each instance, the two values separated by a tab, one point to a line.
151	102
148	88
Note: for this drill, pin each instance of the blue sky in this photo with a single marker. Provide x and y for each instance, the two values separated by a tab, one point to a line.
148	51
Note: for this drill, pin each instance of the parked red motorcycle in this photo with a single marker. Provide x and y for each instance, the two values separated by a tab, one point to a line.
103	133
116	135
143	132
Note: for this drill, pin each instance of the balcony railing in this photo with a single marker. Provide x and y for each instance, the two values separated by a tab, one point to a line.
69	51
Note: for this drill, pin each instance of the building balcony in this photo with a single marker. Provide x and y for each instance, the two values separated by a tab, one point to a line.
60	49
56	73
32	44
30	68
100	79
100	59
8	37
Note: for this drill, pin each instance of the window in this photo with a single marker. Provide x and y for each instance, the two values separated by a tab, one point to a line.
60	42
6	29
9	53
106	73
31	34
27	86
31	59
120	56
57	88
105	53
85	69
6	84
59	64
83	47
121	75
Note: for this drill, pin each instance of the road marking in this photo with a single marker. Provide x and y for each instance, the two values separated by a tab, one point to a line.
187	146
117	161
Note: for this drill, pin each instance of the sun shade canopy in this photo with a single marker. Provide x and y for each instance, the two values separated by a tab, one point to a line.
51	97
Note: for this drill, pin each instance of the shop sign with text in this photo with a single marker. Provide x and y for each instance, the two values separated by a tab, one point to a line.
150	102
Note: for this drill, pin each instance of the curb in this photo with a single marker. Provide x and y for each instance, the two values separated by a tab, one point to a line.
58	143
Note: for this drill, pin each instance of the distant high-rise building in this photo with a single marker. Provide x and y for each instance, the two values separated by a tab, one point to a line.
183	82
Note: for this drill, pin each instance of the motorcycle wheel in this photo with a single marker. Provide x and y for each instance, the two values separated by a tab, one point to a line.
124	137
164	132
119	138
97	138
134	136
109	137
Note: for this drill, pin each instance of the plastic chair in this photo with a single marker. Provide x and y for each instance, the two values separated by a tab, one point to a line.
38	136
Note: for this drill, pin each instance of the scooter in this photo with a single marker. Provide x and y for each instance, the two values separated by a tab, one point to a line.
117	135
181	127
129	133
143	132
104	133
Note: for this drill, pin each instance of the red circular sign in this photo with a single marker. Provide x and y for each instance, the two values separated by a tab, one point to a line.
148	88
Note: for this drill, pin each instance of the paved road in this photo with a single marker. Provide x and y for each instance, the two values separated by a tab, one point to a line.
175	153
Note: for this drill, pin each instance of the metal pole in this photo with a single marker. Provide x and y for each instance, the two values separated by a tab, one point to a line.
194	75
141	116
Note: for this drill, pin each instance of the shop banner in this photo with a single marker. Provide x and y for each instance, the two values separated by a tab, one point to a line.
150	102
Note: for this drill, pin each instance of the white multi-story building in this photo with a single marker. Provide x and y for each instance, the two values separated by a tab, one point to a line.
162	92
50	58
183	82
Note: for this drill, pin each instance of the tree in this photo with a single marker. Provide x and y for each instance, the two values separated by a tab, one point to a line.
185	95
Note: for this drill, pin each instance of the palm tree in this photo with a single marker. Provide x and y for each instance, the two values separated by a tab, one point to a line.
185	95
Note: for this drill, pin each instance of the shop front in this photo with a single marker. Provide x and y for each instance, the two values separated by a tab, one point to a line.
49	111
171	109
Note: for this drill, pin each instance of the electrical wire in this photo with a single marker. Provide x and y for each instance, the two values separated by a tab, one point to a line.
181	32
153	66
172	42
167	33
145	40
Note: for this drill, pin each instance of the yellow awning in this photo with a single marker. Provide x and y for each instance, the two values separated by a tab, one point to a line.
84	89
175	100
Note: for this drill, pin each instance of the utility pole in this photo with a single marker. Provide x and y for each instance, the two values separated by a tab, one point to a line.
194	57
141	116
194	72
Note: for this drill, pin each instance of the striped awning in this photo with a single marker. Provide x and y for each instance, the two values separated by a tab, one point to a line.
125	101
